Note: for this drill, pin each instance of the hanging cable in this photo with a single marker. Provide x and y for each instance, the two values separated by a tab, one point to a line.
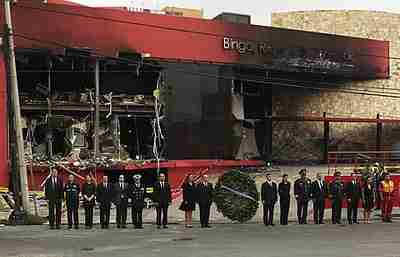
158	136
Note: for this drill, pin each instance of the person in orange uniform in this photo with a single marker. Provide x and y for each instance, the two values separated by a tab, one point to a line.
386	191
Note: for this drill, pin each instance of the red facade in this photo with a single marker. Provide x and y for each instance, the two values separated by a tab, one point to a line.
58	25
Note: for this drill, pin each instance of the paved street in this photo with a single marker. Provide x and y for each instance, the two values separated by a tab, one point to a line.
223	240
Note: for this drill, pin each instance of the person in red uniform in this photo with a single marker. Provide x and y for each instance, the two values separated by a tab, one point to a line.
386	191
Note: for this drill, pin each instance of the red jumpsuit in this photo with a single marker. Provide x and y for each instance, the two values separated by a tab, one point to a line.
387	190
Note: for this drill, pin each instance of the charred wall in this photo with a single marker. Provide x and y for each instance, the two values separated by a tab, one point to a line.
302	140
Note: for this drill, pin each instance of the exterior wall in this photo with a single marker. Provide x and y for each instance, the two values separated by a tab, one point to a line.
344	136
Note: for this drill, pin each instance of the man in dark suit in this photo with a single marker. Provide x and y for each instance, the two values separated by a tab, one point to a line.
319	193
353	196
204	198
162	199
269	196
104	197
303	194
336	191
137	192
54	192
121	196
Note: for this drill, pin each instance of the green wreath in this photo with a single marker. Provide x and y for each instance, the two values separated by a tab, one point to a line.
236	196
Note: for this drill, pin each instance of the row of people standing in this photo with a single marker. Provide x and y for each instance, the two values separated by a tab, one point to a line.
104	193
201	193
318	191
121	193
54	193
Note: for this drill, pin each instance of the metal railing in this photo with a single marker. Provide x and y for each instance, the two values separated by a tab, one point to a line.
355	159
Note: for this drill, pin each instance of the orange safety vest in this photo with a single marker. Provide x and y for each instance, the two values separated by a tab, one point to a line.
387	187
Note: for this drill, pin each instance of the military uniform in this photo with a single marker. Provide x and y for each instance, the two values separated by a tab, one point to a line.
137	193
303	193
336	190
72	201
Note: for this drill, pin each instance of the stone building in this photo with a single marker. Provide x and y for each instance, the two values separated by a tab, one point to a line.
306	137
184	12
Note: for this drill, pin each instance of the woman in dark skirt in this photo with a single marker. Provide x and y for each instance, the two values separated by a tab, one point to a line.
189	200
367	195
88	193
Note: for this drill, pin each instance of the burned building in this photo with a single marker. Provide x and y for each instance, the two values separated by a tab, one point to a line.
200	95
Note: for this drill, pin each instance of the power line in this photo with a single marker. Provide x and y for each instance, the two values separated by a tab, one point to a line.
264	82
69	13
327	83
271	78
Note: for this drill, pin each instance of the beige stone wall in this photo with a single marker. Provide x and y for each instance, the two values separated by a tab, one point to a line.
365	24
185	12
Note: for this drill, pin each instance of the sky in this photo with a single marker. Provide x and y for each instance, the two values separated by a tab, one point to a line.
259	10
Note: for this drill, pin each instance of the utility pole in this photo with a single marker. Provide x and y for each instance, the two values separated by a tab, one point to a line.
50	130
19	158
97	113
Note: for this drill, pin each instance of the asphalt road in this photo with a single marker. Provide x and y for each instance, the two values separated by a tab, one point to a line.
223	240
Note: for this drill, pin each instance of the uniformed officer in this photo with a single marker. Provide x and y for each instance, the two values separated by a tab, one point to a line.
336	190
72	201
137	193
303	194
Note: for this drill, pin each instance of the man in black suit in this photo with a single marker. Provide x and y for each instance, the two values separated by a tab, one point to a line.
319	193
204	198
54	192
337	192
269	196
162	199
353	196
303	194
104	197
121	196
